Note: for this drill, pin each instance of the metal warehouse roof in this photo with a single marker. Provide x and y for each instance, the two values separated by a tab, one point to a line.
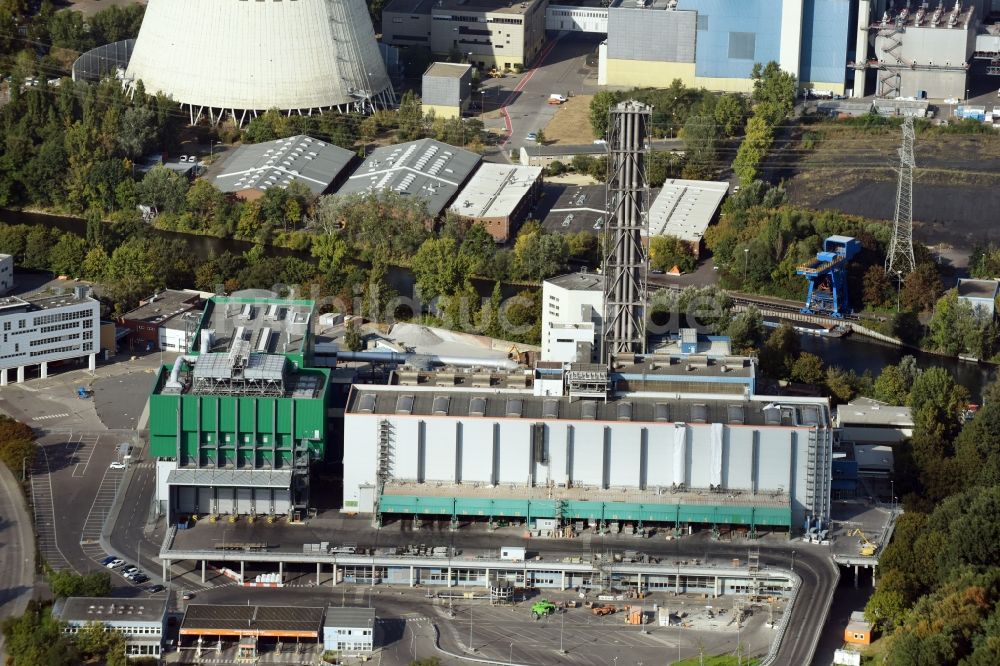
684	208
349	616
426	168
410	400
204	618
108	609
496	190
873	413
231	478
303	159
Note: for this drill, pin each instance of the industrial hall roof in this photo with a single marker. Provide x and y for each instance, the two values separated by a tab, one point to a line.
297	159
451	70
684	208
514	404
426	168
161	307
231	478
212	619
496	190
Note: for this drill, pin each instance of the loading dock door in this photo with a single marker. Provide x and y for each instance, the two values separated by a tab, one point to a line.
185	499
225	500
206	497
262	500
283	502
244	501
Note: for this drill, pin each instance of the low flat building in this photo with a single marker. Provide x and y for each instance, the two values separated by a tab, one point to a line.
428	169
867	421
446	89
250	170
243	632
980	294
141	621
499	197
48	328
486	33
858	630
349	630
6	273
164	321
915	108
684	209
543	156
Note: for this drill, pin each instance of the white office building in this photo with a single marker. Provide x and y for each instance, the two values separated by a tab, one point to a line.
139	621
572	311
43	329
349	630
6	273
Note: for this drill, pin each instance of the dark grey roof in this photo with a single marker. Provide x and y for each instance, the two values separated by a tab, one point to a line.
978	288
108	609
162	306
205	617
579	281
409	400
425	168
409	7
311	162
569	209
349	616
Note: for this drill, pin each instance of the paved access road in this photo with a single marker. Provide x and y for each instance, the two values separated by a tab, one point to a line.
17	550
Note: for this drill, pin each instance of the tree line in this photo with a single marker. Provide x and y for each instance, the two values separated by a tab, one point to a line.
938	585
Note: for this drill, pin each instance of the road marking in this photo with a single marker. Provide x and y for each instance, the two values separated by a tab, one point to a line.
103	500
50	416
44	508
518	88
90	447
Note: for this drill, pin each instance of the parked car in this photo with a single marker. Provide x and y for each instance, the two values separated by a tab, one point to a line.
155	589
114	563
532	136
108	560
129	569
656	271
188	596
116	465
140	578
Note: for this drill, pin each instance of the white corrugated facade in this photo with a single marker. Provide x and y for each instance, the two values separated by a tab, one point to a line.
241	56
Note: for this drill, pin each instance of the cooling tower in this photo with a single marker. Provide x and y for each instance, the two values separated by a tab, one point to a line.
243	57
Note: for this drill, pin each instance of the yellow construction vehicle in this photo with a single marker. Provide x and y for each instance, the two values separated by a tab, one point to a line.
867	547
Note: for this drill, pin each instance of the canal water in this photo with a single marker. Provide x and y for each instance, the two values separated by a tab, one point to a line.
858	353
851	353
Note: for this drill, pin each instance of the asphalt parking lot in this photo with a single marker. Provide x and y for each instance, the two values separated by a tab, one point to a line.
408	622
73	485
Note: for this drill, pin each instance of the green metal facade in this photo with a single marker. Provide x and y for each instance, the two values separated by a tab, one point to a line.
247	431
458	507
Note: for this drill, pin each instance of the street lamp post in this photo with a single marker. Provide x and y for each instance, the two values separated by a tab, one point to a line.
471	649
510	655
793	560
746	260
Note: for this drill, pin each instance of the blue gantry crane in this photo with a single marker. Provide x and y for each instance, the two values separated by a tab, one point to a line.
827	277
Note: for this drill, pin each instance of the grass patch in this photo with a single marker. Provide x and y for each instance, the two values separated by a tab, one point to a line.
720	660
571	124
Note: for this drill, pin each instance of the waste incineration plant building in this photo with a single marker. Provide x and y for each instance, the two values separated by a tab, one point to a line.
240	58
563	444
235	424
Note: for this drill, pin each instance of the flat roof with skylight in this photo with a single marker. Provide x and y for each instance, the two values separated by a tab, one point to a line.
684	208
496	190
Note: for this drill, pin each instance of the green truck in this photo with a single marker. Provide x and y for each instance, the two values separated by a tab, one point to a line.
542	608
